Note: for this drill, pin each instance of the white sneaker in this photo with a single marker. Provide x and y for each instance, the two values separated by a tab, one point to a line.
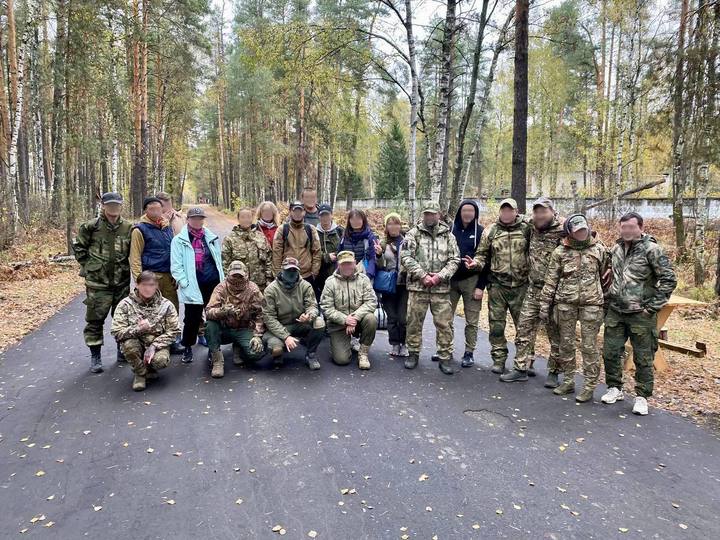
355	343
612	395
641	406
395	351
403	351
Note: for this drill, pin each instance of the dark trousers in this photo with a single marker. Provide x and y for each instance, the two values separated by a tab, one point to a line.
396	309
194	314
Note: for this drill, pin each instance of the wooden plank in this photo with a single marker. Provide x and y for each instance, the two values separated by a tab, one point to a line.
678	347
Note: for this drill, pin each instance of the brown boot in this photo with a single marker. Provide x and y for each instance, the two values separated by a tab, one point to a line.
363	360
237	355
138	384
567	386
586	395
218	365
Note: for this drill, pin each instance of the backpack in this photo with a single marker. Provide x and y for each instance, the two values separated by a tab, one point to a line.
308	232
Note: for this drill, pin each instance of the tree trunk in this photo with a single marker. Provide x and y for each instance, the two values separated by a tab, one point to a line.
679	173
520	112
414	102
58	126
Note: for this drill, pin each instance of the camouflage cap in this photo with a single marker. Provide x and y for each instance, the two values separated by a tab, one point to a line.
509	202
431	208
345	257
545	202
289	263
577	222
237	268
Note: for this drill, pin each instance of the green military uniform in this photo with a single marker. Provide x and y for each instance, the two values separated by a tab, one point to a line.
343	296
102	249
506	246
574	285
164	329
427	250
542	243
250	247
643	280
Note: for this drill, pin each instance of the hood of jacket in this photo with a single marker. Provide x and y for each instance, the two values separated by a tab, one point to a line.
458	224
333	228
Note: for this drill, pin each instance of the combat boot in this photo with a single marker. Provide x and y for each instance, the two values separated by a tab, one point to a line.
363	360
312	361
552	380
176	347
567	386
237	355
514	376
531	369
138	384
448	367
498	367
95	359
467	359
187	355
277	356
411	361
585	396
151	374
120	356
435	358
218	365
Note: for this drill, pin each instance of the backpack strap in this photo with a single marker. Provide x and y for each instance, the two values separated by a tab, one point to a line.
308	233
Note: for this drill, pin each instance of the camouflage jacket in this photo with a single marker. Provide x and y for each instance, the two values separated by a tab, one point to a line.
506	246
283	306
159	311
424	251
241	308
574	275
343	296
643	276
103	251
542	245
250	247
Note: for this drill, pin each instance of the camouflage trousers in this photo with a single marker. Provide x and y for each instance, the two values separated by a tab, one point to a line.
133	349
590	319
465	288
98	304
442	314
641	330
340	346
218	334
502	299
527	332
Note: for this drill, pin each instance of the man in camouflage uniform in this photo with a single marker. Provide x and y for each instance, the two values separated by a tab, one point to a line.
247	244
234	315
102	247
642	282
430	256
545	236
145	325
505	243
574	284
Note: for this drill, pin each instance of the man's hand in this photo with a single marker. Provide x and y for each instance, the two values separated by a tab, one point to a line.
544	316
303	318
149	354
143	325
291	343
435	280
351	320
333	256
256	344
478	294
350	330
470	263
607	278
378	248
427	281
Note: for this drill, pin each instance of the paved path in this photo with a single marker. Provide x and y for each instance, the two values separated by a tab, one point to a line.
421	453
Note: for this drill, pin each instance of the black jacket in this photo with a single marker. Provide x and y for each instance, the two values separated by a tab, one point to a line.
468	239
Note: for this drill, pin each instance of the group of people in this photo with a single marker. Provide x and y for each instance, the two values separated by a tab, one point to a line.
271	286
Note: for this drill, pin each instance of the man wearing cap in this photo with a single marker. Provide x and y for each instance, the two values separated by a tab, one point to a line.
546	234
196	266
348	302
102	247
430	256
291	315
234	315
574	284
145	325
297	240
505	244
330	234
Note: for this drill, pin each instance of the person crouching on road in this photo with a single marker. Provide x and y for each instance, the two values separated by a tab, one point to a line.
234	315
291	315
349	303
145	325
196	265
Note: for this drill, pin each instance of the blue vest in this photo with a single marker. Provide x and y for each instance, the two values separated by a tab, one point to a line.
156	255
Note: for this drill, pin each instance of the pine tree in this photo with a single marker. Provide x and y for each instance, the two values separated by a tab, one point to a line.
392	167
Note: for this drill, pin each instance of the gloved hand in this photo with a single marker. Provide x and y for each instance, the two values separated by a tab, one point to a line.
256	344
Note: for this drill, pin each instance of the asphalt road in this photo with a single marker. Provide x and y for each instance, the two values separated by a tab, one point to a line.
344	453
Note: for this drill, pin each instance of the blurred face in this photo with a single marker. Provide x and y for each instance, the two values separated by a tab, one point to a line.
542	216
508	214
630	230
112	210
580	234
356	222
309	198
297	215
326	220
346	269
393	228
167	206
245	219
267	214
196	222
147	288
154	211
430	219
467	214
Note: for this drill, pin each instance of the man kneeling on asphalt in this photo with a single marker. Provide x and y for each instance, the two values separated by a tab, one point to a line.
349	303
145	325
234	315
291	314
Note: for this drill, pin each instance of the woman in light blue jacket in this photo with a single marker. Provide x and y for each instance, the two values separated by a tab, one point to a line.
196	266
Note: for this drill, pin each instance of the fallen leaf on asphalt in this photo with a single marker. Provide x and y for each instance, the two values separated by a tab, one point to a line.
35	519
170	502
150	450
675	505
252	470
40	473
619	472
517	506
87	432
177	454
476	526
126	444
580	439
623	529
97	508
25	439
312	534
276	528
561	490
428	508
49	524
499	512
60	460
50	498
423	477
333	436
682	525
23	531
239	501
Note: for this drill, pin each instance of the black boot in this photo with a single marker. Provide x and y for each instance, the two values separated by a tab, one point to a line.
552	381
95	359
448	367
514	376
187	355
411	361
120	356
467	359
435	358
